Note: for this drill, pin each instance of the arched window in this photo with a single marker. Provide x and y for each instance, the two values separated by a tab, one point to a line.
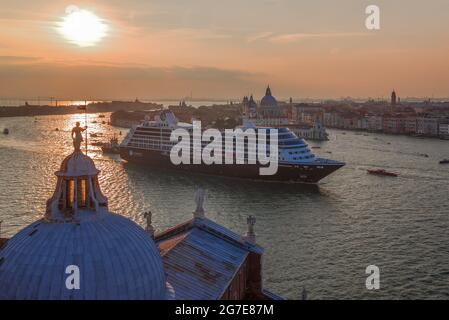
82	192
78	191
70	194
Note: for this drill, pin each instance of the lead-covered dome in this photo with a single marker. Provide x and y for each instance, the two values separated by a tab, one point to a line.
116	260
115	257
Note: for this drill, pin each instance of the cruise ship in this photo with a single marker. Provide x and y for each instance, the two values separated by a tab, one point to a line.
149	144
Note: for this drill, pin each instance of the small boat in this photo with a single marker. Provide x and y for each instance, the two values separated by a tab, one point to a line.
103	122
382	172
94	135
444	161
95	121
425	155
56	129
101	116
316	147
6	131
111	147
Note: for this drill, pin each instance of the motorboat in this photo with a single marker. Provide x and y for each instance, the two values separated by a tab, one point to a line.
382	172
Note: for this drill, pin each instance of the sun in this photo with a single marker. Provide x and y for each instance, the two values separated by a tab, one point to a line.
82	27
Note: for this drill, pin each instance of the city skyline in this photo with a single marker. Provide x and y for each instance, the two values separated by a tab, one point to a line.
226	50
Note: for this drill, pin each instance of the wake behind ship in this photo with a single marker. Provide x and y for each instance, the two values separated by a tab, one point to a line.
149	144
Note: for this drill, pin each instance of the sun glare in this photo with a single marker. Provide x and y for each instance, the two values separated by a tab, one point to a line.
82	27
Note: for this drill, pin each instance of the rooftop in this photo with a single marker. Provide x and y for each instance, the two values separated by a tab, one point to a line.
201	258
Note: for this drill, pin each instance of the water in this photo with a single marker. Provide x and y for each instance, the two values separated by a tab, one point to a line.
42	102
321	238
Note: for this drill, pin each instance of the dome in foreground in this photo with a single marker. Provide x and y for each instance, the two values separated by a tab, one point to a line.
116	260
113	256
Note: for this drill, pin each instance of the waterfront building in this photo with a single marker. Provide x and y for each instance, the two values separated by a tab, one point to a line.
362	123
393	124
375	123
427	125
307	114
410	125
350	121
443	130
79	250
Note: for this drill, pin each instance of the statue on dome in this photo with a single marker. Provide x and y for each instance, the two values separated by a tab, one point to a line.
77	136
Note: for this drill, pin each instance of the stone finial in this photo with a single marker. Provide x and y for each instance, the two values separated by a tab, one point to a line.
149	227
199	200
250	235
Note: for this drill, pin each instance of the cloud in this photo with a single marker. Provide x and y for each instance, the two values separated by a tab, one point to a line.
195	34
297	37
17	59
260	36
113	82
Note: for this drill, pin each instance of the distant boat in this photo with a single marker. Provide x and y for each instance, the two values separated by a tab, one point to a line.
95	121
101	116
444	161
425	155
382	172
57	129
111	147
6	131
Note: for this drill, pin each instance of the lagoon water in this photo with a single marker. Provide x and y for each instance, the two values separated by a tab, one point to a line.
320	238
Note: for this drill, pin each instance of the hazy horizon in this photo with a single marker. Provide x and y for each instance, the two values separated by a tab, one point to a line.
225	50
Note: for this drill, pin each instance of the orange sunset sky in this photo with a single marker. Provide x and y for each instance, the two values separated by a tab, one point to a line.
226	49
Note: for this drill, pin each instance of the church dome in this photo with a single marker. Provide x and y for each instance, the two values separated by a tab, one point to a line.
78	238
77	164
268	100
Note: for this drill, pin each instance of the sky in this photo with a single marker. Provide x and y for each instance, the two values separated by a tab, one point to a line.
226	49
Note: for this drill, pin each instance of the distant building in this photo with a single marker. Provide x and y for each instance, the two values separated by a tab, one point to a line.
410	125
427	126
250	107
393	124
362	123
315	132
444	129
375	123
269	113
393	98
